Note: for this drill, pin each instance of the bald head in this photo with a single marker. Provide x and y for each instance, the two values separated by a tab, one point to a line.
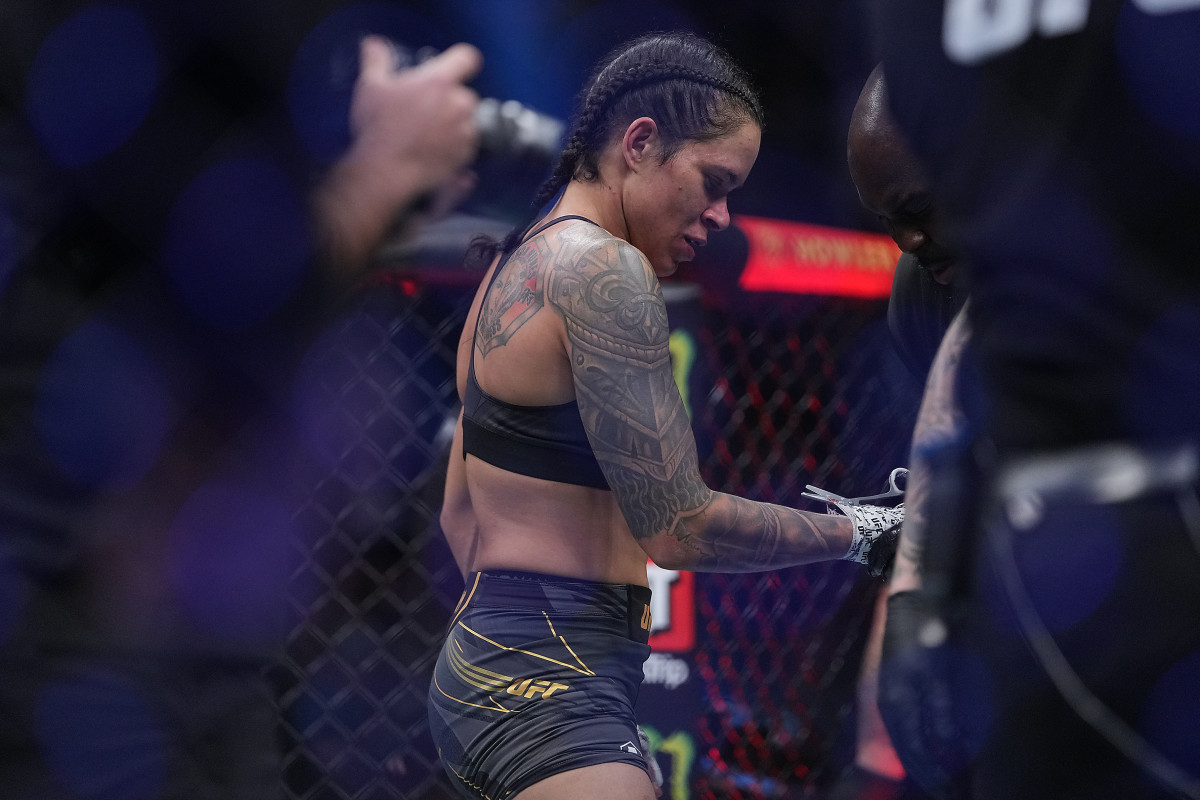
871	112
890	180
873	133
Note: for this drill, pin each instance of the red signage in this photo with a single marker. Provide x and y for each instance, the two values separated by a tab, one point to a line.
673	609
813	259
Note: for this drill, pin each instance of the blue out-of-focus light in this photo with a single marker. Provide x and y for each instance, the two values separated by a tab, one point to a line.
101	409
1071	567
101	737
1169	717
237	243
1160	389
1159	60
92	83
229	562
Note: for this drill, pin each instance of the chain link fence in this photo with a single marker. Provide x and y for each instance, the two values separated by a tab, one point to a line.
783	392
807	390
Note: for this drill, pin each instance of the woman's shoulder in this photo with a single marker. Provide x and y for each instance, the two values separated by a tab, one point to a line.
583	244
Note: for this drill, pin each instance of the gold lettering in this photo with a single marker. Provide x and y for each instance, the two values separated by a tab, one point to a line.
538	686
530	688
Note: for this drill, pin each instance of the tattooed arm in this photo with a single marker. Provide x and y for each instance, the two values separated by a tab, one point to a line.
617	336
939	419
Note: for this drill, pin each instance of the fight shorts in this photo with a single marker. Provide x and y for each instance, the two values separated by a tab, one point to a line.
538	675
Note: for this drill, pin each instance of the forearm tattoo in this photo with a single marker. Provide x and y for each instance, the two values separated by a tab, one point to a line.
939	419
755	536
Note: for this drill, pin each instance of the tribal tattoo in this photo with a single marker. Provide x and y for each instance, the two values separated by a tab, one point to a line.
516	295
616	323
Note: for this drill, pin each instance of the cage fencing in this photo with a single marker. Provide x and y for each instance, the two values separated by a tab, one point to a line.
783	392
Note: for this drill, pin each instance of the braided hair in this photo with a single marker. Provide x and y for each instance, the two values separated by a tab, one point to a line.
690	87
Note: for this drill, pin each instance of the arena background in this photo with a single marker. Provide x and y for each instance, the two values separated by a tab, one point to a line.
750	691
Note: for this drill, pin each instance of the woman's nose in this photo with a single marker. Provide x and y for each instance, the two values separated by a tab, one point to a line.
716	216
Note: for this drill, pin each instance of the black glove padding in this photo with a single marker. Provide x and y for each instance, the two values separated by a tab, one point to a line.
924	697
882	554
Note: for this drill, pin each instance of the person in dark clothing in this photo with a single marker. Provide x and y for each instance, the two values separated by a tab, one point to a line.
920	309
927	297
1061	142
168	247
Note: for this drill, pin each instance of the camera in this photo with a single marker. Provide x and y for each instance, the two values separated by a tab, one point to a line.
508	130
517	148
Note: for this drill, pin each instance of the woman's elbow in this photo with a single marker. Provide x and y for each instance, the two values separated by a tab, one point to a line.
668	552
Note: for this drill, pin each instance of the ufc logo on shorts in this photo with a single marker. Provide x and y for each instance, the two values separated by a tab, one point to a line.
529	688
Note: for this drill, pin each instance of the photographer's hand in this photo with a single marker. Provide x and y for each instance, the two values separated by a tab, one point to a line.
414	130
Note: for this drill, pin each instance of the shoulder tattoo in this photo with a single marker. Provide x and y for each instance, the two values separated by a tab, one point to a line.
516	295
616	323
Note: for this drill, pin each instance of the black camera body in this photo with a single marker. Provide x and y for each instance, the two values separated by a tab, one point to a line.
518	147
508	130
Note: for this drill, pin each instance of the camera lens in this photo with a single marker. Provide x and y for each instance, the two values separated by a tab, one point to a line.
510	131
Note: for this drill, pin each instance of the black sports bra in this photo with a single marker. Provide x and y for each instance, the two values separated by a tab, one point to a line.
546	442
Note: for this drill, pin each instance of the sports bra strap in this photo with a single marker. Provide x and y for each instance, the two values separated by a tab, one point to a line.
554	221
504	260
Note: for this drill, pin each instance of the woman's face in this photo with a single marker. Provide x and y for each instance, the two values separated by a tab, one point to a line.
671	208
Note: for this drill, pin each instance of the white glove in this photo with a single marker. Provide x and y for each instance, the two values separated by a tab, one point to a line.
876	533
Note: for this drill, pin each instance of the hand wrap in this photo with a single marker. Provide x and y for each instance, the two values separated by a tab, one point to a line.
876	533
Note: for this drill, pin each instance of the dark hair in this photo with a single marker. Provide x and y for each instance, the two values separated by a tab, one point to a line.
689	86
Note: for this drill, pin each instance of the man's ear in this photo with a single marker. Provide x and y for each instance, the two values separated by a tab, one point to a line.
640	143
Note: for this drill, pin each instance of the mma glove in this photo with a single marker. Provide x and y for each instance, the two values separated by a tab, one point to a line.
876	533
924	699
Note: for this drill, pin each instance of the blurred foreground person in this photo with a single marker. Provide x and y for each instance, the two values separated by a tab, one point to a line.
926	300
1062	142
164	257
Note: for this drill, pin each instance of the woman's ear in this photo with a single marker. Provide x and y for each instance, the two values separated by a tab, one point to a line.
640	143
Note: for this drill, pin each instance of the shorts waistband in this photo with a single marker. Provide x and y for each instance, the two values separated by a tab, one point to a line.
538	591
533	589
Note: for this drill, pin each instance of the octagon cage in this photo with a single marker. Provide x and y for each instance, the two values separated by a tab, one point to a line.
784	391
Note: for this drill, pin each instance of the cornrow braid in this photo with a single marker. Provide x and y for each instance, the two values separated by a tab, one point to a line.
691	88
643	74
